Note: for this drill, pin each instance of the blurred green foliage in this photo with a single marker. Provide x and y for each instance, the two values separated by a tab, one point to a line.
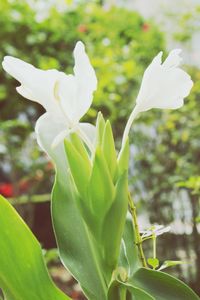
167	151
165	174
187	22
120	44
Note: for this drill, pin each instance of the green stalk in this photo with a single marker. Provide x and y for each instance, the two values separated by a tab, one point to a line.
123	293
154	245
138	240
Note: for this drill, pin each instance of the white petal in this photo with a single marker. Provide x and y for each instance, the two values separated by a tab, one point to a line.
85	77
162	230
76	92
25	92
47	128
164	86
36	85
89	130
173	59
68	90
83	69
60	138
174	86
148	82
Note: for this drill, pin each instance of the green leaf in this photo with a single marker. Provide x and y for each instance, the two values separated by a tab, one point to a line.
76	246
23	274
170	263
114	222
153	262
129	257
78	144
162	286
100	128
108	147
101	187
119	290
80	168
77	249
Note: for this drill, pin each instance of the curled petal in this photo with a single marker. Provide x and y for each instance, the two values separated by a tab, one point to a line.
173	59
86	131
164	85
89	130
36	85
47	128
83	69
67	93
76	92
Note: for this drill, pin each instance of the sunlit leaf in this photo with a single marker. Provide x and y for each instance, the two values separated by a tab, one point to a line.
153	262
23	274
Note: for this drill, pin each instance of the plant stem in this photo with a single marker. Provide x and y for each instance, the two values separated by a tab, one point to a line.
154	245
123	293
138	240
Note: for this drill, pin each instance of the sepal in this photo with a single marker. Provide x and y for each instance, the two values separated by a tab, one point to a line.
80	168
101	189
108	147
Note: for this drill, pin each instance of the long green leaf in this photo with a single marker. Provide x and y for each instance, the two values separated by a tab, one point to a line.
129	258
23	274
79	166
108	147
114	224
76	247
75	243
100	125
101	187
162	286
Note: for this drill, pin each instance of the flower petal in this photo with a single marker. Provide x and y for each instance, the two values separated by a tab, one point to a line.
174	86
76	92
89	130
164	86
47	128
36	85
173	59
85	78
67	92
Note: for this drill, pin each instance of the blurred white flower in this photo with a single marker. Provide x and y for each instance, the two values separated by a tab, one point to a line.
154	230
66	98
164	85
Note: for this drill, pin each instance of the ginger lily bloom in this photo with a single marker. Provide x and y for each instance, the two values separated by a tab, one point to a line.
65	97
164	85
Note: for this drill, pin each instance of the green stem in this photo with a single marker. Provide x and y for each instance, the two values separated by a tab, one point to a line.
123	293
154	245
138	240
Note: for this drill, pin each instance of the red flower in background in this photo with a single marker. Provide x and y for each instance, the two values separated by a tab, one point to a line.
145	27
82	28
6	189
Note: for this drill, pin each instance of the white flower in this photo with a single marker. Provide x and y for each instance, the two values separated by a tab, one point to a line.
164	85
155	230
66	98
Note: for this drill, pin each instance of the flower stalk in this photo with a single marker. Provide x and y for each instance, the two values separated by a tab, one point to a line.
138	237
